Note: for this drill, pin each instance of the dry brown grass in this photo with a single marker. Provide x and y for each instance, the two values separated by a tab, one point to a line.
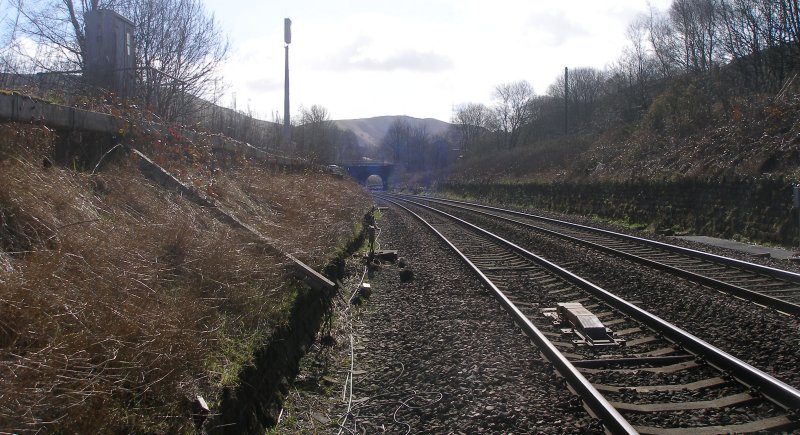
310	214
744	137
121	301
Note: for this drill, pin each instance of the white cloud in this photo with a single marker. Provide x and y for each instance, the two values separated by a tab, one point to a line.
368	58
361	56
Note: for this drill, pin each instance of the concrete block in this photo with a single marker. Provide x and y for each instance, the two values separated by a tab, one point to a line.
386	255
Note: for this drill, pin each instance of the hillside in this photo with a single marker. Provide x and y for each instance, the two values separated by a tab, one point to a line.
748	137
123	300
691	164
370	131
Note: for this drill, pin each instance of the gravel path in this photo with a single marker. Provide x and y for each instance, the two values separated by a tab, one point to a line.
433	355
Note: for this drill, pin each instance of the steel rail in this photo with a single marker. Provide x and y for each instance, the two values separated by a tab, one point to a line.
770	301
594	400
773	389
759	268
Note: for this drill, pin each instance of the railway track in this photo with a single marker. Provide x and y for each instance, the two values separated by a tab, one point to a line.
633	370
771	287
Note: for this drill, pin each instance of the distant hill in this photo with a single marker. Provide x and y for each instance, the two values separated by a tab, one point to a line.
370	131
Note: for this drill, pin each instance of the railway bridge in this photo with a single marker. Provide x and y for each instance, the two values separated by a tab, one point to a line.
361	171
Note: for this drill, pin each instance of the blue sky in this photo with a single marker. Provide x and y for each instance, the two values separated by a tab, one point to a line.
418	58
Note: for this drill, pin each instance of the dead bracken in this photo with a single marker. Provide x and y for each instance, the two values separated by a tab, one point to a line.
123	301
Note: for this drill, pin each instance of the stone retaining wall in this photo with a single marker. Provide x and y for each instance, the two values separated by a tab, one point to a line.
756	209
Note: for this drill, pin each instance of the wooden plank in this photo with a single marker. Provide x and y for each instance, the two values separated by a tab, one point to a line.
773	424
736	399
699	385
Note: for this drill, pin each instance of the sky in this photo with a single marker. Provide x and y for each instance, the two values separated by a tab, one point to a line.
421	58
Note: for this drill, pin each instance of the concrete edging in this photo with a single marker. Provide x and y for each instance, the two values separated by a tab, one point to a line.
22	108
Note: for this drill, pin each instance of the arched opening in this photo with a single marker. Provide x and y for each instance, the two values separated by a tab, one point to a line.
375	182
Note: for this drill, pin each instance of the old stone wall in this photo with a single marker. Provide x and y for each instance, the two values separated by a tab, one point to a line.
756	209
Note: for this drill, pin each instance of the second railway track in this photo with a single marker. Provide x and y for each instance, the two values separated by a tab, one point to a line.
768	286
634	370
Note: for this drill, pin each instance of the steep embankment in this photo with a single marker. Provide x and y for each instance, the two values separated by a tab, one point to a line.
719	167
676	138
122	301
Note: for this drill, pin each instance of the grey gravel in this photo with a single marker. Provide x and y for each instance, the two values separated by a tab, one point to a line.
439	355
760	336
436	354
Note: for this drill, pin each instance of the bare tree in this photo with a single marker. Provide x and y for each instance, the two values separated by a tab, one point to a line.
348	147
790	19
413	148
396	140
544	114
59	25
438	152
275	133
586	86
741	40
664	42
471	123
778	36
640	57
316	135
180	46
695	22
10	61
511	108
419	142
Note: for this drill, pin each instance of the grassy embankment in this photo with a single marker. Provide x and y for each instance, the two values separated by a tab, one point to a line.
122	301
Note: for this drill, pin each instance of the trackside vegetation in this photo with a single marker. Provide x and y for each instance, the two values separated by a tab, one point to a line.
124	301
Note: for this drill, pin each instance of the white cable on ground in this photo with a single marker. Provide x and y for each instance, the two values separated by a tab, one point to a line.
348	382
348	387
358	287
377	235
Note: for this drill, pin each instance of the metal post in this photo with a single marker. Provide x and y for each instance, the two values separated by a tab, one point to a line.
796	204
286	101
287	39
566	100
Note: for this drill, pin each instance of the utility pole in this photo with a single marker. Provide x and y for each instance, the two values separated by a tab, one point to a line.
566	99
796	203
287	39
